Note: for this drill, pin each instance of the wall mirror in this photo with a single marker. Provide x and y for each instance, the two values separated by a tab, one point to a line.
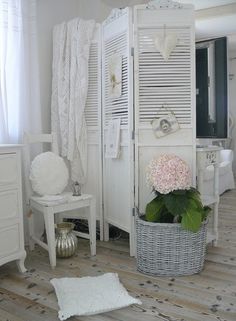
211	88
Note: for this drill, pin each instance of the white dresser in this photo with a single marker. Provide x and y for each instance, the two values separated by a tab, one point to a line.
11	214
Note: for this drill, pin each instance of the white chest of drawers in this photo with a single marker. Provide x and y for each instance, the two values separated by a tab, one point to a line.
11	214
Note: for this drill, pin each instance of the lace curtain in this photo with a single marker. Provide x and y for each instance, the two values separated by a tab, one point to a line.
19	86
71	45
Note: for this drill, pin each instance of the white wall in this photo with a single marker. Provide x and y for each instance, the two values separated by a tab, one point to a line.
93	9
50	13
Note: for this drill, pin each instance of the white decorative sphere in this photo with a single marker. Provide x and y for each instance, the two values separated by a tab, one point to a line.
48	174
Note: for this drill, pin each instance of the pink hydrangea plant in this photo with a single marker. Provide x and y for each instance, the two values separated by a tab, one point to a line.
168	173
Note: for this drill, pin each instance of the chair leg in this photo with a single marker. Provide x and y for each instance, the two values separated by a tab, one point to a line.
31	229
215	223
92	226
58	218
50	231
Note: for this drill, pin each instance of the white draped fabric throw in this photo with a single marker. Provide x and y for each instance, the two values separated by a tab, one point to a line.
71	45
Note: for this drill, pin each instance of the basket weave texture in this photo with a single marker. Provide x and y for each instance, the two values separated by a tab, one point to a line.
168	250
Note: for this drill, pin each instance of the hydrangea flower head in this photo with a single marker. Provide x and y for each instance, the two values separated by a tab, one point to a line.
168	173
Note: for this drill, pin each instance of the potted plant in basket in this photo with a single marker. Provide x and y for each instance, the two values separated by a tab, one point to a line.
171	236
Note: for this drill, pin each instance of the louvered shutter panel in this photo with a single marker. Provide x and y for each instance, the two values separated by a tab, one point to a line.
118	180
119	107
159	82
93	102
93	121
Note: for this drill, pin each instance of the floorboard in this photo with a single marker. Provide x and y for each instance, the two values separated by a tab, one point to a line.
207	296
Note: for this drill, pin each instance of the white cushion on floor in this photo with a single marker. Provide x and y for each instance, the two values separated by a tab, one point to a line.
91	295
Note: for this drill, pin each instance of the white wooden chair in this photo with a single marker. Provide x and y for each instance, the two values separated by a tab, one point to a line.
69	209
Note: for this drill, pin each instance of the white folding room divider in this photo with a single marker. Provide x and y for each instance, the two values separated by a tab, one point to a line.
93	121
118	173
155	82
159	82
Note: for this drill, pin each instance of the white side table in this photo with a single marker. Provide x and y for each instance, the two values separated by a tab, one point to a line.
209	155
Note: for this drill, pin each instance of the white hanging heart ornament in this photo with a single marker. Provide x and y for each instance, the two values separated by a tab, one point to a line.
165	45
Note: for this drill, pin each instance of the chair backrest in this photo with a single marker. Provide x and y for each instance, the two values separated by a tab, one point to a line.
28	140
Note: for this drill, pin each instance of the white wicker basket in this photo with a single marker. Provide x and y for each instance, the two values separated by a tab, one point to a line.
166	249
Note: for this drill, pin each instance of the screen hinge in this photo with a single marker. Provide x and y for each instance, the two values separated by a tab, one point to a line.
133	211
132	51
133	134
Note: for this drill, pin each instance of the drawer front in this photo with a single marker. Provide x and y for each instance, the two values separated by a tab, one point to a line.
9	240
9	208
8	169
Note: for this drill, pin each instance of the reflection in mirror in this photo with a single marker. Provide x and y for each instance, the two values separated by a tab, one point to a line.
211	83
206	50
211	88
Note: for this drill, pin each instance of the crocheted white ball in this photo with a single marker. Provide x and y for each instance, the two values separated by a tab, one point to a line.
48	174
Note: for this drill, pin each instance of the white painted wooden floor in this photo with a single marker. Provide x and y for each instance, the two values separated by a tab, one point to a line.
208	296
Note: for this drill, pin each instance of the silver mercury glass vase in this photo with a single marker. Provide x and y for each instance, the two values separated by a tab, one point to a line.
66	240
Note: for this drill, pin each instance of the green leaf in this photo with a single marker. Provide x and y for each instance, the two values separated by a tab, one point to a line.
195	204
154	209
176	204
179	192
166	217
191	220
195	196
205	212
